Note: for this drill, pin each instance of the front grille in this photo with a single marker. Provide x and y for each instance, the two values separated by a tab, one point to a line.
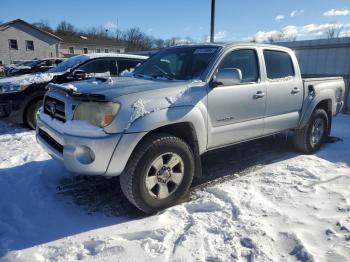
55	108
52	142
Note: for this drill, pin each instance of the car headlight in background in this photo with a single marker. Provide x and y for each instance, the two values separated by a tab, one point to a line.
97	113
12	88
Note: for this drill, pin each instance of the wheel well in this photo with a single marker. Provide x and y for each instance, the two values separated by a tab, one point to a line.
326	105
186	132
34	100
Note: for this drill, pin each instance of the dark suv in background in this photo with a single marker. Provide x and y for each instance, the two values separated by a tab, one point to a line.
21	96
33	66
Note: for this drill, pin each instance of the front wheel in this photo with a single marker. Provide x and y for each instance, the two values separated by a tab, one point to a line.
309	139
159	173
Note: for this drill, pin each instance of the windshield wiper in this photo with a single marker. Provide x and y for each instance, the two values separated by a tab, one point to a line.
141	75
162	76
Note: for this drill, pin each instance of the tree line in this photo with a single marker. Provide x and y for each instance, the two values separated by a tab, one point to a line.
134	38
137	40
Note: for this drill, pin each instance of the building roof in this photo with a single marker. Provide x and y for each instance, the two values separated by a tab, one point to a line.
319	43
88	40
6	25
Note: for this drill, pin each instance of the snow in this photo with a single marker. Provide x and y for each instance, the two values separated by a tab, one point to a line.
127	73
183	96
139	111
282	79
39	78
294	208
25	80
70	87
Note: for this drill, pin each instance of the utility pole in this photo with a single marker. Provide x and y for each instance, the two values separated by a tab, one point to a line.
212	19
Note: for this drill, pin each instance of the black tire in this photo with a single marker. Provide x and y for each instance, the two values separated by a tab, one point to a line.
132	180
31	112
302	137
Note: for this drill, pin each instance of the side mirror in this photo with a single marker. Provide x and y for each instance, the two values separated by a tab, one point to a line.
78	74
227	77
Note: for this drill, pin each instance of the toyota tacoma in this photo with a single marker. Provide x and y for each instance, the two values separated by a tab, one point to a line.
152	127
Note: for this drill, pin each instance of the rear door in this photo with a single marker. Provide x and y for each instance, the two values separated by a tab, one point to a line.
284	91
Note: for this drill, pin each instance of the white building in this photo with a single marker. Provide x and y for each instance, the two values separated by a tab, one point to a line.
77	44
20	40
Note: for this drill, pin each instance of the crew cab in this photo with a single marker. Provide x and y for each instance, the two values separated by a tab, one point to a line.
21	96
152	127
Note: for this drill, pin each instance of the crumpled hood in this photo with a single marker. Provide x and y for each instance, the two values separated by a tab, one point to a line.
118	86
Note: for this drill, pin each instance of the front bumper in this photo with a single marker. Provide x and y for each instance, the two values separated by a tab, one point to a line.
95	155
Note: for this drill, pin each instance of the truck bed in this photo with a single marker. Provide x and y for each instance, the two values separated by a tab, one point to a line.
320	78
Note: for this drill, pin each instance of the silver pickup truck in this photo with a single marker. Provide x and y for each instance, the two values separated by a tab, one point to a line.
152	126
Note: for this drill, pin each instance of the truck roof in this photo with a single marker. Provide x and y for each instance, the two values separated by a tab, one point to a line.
231	44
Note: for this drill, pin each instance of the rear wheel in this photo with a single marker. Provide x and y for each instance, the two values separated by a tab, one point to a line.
309	139
32	111
159	173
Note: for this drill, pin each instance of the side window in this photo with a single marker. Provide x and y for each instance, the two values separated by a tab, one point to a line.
29	45
106	67
13	44
244	59
125	64
278	64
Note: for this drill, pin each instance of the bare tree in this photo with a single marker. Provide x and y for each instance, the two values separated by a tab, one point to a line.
280	36
137	40
159	43
65	28
334	31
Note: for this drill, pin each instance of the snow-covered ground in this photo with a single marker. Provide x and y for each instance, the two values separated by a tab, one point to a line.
296	207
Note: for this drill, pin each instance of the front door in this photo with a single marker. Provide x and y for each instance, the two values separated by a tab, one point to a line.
236	112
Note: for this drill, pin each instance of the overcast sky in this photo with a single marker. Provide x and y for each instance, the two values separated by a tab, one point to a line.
235	19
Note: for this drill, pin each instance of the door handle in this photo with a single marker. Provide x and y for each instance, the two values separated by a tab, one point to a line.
295	90
258	95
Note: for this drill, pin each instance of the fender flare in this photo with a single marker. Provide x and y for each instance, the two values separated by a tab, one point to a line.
312	102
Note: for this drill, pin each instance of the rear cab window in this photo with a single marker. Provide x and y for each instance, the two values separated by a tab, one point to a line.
278	64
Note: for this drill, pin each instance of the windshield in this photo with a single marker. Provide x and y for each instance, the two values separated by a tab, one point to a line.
69	64
183	63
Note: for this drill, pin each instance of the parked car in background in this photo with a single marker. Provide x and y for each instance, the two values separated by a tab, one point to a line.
151	128
21	96
32	67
